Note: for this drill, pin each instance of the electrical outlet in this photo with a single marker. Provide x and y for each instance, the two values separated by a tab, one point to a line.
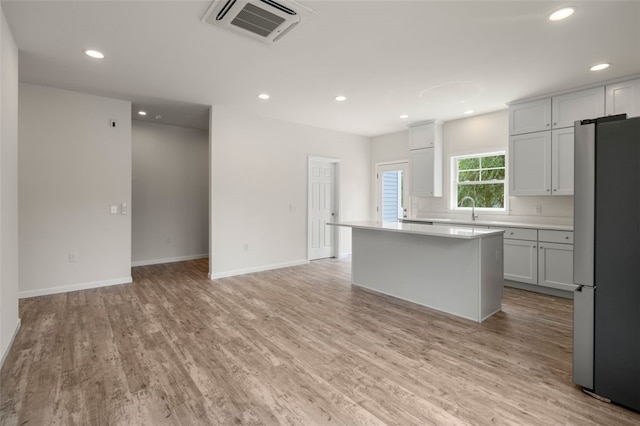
537	209
114	209
73	256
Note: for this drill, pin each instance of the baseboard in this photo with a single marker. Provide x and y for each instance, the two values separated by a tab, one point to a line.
539	289
8	348
344	255
257	269
169	260
73	287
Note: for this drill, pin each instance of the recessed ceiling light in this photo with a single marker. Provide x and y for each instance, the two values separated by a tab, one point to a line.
403	116
142	113
263	96
470	111
599	67
158	117
340	98
94	54
561	14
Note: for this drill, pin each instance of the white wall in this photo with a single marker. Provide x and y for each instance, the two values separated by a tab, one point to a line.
72	167
259	170
474	135
9	321
170	198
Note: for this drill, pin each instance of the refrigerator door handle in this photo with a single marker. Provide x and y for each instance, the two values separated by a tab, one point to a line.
584	203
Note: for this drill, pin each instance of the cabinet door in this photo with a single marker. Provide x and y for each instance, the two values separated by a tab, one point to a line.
421	136
530	164
566	109
422	172
521	261
555	266
562	161
623	98
530	117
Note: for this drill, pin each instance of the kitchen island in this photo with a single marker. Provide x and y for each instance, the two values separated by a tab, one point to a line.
457	270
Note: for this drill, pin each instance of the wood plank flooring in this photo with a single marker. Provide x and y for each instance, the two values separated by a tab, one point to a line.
296	346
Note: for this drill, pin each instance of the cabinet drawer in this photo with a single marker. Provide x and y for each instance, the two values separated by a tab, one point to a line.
519	233
563	237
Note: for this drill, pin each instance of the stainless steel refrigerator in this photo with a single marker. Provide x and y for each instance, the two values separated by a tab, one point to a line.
606	335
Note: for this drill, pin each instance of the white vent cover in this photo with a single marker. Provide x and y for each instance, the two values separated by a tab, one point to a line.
266	20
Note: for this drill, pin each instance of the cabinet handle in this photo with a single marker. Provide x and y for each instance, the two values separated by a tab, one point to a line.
535	247
566	238
547	124
555	189
555	124
547	189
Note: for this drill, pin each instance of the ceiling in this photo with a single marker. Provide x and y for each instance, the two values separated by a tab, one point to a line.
422	58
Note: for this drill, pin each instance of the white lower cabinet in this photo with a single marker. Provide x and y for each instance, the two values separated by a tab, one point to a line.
555	266
539	257
521	261
555	260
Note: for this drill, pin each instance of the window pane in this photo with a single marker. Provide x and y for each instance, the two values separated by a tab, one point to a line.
471	176
493	161
490	195
468	163
495	174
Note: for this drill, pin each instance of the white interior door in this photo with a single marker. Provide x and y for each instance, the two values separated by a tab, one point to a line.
322	209
392	191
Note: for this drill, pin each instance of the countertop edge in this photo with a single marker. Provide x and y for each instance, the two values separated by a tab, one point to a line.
378	226
452	222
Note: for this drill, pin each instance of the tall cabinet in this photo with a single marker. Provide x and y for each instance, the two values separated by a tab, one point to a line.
425	155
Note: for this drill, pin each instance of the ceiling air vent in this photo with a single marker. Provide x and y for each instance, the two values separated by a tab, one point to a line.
265	20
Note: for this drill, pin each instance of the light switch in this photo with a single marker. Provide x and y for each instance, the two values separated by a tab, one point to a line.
114	209
123	208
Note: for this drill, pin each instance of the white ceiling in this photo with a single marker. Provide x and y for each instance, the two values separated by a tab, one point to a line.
382	54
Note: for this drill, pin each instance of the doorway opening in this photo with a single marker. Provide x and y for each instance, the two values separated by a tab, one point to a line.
392	191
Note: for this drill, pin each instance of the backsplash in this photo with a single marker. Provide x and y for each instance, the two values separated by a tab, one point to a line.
554	210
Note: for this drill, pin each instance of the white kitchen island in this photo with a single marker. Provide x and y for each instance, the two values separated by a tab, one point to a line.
458	270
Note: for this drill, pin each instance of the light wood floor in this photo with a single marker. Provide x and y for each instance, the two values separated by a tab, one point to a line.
296	346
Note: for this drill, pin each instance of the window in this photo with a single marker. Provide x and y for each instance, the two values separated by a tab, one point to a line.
480	177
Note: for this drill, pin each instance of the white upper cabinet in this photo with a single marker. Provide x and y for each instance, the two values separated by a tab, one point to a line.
541	163
562	161
425	152
530	164
530	117
424	134
426	172
623	98
566	109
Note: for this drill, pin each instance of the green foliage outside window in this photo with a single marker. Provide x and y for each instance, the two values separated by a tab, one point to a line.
481	178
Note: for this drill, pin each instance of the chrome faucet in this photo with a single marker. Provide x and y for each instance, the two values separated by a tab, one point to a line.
474	216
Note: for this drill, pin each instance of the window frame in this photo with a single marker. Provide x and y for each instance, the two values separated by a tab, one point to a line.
454	183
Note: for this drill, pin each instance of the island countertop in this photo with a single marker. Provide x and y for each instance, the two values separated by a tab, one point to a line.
492	223
423	229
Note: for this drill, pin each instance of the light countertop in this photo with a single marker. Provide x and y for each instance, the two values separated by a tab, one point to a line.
496	223
439	230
